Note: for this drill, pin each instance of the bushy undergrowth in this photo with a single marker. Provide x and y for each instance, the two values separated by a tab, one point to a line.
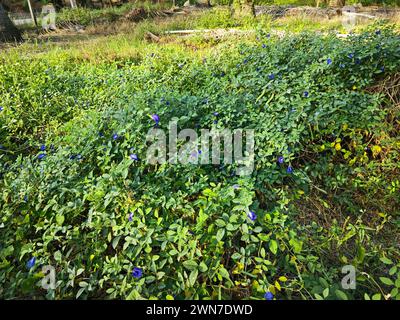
87	16
74	198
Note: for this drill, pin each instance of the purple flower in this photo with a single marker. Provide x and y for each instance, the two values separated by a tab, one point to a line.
329	61
31	262
268	295
199	151
271	76
281	160
155	118
41	156
1	109
137	272
289	169
130	216
378	32
236	186
358	60
115	136
305	94
351	55
252	216
216	114
134	156
264	45
43	147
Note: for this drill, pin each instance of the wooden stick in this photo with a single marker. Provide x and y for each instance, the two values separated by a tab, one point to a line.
32	14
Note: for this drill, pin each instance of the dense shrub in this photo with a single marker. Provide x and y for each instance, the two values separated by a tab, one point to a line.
87	16
94	213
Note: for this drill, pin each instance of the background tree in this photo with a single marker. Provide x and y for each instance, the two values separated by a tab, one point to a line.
8	31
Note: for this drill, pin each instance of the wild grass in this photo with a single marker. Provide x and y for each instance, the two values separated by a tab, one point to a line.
122	39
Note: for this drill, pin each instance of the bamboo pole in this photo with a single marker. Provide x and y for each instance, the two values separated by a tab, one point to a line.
32	14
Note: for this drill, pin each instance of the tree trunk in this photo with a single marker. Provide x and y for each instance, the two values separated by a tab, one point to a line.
243	8
337	3
8	31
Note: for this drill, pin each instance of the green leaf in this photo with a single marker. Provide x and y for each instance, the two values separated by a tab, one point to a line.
386	260
341	295
236	256
394	292
80	291
231	227
257	229
273	246
318	297
224	273
262	252
115	241
393	270
203	267
190	264
79	271
296	245
193	277
220	223
386	281
324	283
60	219
134	295
376	296
57	256
360	254
220	234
